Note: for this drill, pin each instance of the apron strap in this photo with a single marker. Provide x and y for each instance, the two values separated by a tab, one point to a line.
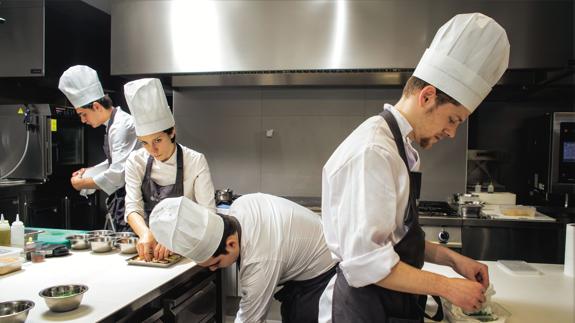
438	316
392	123
107	150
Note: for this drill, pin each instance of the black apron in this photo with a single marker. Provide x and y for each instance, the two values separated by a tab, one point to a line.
115	201
373	303
153	193
300	299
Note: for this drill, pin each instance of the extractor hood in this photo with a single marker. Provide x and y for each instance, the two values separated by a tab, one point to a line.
286	42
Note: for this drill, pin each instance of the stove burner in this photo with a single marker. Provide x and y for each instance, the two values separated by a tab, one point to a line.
436	209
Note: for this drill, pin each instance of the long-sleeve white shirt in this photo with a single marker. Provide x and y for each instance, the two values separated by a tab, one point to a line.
198	184
122	140
365	190
281	241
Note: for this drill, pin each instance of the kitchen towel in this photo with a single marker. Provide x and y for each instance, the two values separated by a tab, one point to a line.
569	268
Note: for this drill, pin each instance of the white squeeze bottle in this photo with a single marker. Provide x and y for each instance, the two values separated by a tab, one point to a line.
17	233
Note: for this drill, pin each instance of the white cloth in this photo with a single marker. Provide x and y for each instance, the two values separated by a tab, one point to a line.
90	173
365	190
281	241
81	86
466	58
147	102
187	228
198	184
122	140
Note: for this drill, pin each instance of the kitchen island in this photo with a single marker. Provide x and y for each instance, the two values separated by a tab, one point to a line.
117	291
530	299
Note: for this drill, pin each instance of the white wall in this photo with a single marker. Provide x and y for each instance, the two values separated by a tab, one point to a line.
229	125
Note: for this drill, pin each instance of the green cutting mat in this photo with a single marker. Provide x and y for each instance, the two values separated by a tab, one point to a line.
56	236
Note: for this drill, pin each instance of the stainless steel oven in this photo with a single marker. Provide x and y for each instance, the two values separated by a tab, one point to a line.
441	224
25	146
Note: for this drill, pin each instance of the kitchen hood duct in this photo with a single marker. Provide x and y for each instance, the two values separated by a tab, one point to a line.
284	42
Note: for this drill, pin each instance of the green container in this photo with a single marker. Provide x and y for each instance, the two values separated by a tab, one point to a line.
56	236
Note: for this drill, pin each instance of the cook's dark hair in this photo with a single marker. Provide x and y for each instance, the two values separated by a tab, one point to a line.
230	228
105	101
415	84
169	132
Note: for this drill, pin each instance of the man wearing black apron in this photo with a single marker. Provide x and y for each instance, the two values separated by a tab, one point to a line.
274	242
81	86
370	186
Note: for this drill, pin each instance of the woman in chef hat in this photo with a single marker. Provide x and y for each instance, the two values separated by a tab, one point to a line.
161	168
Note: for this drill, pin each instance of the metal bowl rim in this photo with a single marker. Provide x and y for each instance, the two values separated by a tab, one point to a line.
63	297
28	302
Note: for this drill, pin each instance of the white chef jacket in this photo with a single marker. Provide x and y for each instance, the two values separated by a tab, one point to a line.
365	190
198	184
281	241
122	140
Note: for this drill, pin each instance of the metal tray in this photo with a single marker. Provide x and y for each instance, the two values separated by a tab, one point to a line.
171	260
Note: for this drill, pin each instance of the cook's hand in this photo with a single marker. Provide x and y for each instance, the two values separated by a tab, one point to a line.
472	270
79	172
161	252
467	294
76	181
146	245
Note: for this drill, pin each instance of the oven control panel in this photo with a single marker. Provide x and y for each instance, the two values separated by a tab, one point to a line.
449	236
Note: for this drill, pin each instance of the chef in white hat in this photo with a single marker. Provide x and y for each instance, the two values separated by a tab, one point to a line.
370	184
81	86
161	168
274	242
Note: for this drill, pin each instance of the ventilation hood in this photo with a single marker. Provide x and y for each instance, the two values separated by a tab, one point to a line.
284	42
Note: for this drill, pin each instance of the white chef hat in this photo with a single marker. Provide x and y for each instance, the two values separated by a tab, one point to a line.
148	105
187	228
81	86
466	58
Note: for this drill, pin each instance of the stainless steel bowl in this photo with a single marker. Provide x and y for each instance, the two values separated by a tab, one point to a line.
121	235
101	233
127	245
102	244
79	241
63	298
15	311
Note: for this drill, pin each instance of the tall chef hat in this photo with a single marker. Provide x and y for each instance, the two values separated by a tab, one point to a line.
466	58
187	228
148	105
81	86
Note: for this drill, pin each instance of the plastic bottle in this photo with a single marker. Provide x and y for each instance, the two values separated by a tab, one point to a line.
17	233
490	188
4	232
477	188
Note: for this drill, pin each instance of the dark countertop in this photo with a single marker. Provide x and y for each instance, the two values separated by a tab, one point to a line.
561	214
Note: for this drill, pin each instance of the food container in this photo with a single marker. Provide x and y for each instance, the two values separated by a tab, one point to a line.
63	298
102	243
127	245
517	210
172	259
101	233
10	264
79	241
470	210
37	255
9	252
15	311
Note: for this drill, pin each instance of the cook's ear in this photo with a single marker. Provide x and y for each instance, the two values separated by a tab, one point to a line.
426	97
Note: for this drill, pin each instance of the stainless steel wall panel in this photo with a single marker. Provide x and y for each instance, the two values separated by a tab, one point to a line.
182	37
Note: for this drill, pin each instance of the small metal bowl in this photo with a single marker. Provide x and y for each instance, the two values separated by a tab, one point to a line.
127	245
101	233
63	298
102	244
79	241
121	235
15	311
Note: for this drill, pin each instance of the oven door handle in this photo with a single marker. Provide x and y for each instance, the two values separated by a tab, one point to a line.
449	244
173	307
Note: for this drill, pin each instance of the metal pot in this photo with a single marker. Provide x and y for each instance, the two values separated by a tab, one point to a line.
470	210
224	196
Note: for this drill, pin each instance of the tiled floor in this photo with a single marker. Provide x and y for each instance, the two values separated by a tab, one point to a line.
274	314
